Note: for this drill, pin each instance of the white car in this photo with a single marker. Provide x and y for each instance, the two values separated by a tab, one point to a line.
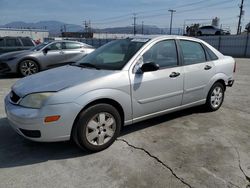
120	83
211	30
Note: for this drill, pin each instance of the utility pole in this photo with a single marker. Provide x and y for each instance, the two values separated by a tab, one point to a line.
89	26
240	16
142	27
171	21
86	26
134	17
64	27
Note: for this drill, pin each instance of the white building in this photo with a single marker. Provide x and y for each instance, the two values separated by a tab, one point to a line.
35	34
111	35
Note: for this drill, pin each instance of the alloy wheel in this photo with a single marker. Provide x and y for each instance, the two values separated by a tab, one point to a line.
216	97
28	67
100	128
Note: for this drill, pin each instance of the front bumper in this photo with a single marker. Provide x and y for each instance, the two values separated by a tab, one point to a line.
30	124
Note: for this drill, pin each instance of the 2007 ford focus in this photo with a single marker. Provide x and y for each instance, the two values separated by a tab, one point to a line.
122	82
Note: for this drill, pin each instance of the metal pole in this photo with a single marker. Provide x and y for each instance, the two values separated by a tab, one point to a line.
171	20
142	27
134	17
184	27
241	12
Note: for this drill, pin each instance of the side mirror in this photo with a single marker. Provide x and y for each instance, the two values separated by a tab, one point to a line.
149	67
45	50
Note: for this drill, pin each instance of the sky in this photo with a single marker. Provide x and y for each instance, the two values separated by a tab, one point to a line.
113	13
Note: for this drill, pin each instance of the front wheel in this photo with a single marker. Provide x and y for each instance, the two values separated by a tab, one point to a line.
215	97
97	127
28	67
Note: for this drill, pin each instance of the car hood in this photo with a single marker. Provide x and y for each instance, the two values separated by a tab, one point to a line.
57	79
15	54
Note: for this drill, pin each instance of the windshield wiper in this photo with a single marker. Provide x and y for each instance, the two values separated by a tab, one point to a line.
86	65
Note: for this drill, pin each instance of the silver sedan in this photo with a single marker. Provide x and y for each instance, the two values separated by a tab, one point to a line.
120	83
44	56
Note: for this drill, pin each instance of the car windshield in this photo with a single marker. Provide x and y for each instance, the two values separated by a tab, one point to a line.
112	56
39	47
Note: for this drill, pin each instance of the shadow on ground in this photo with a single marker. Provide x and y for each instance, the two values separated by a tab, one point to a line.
17	151
9	75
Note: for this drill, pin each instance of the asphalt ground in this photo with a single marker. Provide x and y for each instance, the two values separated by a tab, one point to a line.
190	148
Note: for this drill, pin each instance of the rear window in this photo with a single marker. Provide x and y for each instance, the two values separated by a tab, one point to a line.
210	54
27	42
72	45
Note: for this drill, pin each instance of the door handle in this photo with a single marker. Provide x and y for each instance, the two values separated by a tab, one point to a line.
207	67
174	74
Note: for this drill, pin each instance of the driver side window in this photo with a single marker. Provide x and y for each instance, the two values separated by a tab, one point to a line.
163	53
55	46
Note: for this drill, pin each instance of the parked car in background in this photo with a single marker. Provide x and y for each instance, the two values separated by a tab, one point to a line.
211	30
120	83
248	27
10	44
44	56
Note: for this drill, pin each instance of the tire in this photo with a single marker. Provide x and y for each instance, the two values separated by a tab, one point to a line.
215	97
28	67
97	127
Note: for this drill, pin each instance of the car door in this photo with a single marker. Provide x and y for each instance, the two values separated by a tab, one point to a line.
73	51
52	55
198	71
155	92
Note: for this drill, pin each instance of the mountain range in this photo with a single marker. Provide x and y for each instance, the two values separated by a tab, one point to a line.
56	27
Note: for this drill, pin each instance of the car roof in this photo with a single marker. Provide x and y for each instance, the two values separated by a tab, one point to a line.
65	41
159	37
82	43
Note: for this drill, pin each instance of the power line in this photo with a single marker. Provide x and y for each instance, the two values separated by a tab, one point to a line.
188	10
124	17
143	12
206	6
175	7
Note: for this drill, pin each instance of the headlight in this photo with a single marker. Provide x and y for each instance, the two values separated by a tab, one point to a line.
35	100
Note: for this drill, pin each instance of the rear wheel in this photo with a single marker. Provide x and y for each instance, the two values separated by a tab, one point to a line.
97	127
28	67
215	97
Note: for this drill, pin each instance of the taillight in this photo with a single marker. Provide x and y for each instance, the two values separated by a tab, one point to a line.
234	66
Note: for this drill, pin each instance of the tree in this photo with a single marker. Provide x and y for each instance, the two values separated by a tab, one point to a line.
192	30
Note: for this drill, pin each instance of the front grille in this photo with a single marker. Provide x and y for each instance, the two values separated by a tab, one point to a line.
14	97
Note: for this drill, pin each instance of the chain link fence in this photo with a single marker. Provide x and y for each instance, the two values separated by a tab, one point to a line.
232	45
